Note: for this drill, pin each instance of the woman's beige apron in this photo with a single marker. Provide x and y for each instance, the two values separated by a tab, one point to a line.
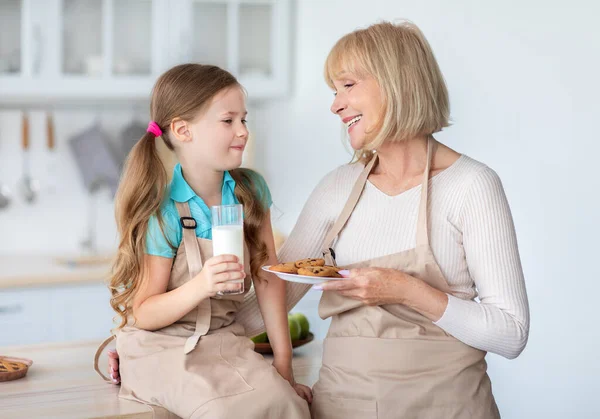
202	366
390	361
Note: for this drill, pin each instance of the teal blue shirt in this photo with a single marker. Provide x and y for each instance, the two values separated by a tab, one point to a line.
157	243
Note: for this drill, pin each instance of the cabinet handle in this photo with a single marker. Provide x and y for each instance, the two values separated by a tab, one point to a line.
17	308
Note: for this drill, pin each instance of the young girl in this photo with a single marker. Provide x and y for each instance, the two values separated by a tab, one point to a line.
179	343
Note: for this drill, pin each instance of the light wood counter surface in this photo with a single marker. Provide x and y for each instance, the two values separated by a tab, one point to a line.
62	383
21	271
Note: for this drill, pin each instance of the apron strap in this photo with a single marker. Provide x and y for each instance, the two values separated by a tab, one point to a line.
99	351
194	261
346	212
422	229
192	249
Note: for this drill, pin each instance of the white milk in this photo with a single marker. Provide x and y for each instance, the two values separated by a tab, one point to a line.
229	240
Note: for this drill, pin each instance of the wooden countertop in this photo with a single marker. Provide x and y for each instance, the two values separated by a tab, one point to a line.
62	383
18	271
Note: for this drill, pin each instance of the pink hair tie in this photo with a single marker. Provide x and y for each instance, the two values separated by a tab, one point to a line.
153	128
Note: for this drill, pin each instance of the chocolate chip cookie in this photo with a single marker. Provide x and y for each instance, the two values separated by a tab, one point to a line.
303	263
286	268
321	271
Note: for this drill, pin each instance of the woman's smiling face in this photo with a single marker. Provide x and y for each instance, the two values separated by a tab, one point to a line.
358	104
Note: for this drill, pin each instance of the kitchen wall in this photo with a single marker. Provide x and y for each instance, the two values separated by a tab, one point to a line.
523	84
58	220
523	80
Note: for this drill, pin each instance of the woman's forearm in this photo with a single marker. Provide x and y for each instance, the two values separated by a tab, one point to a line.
485	326
422	298
481	325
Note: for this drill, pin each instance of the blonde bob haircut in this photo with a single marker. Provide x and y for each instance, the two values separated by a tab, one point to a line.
397	55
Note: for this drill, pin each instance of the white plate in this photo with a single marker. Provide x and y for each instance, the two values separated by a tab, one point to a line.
303	279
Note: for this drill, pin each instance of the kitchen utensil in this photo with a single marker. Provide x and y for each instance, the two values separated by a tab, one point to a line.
29	186
95	159
50	143
130	135
51	146
89	242
4	196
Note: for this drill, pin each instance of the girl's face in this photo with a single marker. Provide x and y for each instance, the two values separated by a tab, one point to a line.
219	135
358	104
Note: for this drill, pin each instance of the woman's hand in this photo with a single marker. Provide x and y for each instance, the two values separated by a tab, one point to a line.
113	366
378	286
371	286
284	368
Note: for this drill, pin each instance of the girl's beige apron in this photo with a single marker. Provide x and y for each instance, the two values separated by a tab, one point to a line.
203	366
390	361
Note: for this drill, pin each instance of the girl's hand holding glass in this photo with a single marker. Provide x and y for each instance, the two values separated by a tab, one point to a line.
217	271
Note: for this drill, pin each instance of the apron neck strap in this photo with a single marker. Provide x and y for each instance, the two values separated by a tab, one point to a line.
194	261
347	211
422	229
192	250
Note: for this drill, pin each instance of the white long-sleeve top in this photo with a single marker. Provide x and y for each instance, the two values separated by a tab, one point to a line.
472	237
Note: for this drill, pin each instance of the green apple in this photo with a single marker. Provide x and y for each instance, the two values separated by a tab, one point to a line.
304	325
262	338
295	328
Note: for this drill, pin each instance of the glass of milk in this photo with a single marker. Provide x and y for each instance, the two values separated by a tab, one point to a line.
228	236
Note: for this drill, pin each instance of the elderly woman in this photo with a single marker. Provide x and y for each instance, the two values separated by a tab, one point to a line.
422	230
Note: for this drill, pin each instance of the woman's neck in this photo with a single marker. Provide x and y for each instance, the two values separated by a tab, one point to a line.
402	159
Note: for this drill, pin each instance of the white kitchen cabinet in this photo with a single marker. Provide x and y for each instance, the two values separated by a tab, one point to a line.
25	316
251	38
90	50
55	314
62	50
84	310
81	311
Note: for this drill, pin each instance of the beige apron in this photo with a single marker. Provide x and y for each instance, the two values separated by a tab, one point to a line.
390	361
202	366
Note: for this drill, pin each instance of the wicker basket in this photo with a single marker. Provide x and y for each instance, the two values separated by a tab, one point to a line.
13	368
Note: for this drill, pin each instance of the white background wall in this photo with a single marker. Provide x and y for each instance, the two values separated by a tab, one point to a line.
523	81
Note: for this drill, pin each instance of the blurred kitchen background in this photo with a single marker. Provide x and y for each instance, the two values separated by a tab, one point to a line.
75	78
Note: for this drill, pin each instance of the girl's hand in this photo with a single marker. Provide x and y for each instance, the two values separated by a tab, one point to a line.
284	368
215	274
303	391
113	366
